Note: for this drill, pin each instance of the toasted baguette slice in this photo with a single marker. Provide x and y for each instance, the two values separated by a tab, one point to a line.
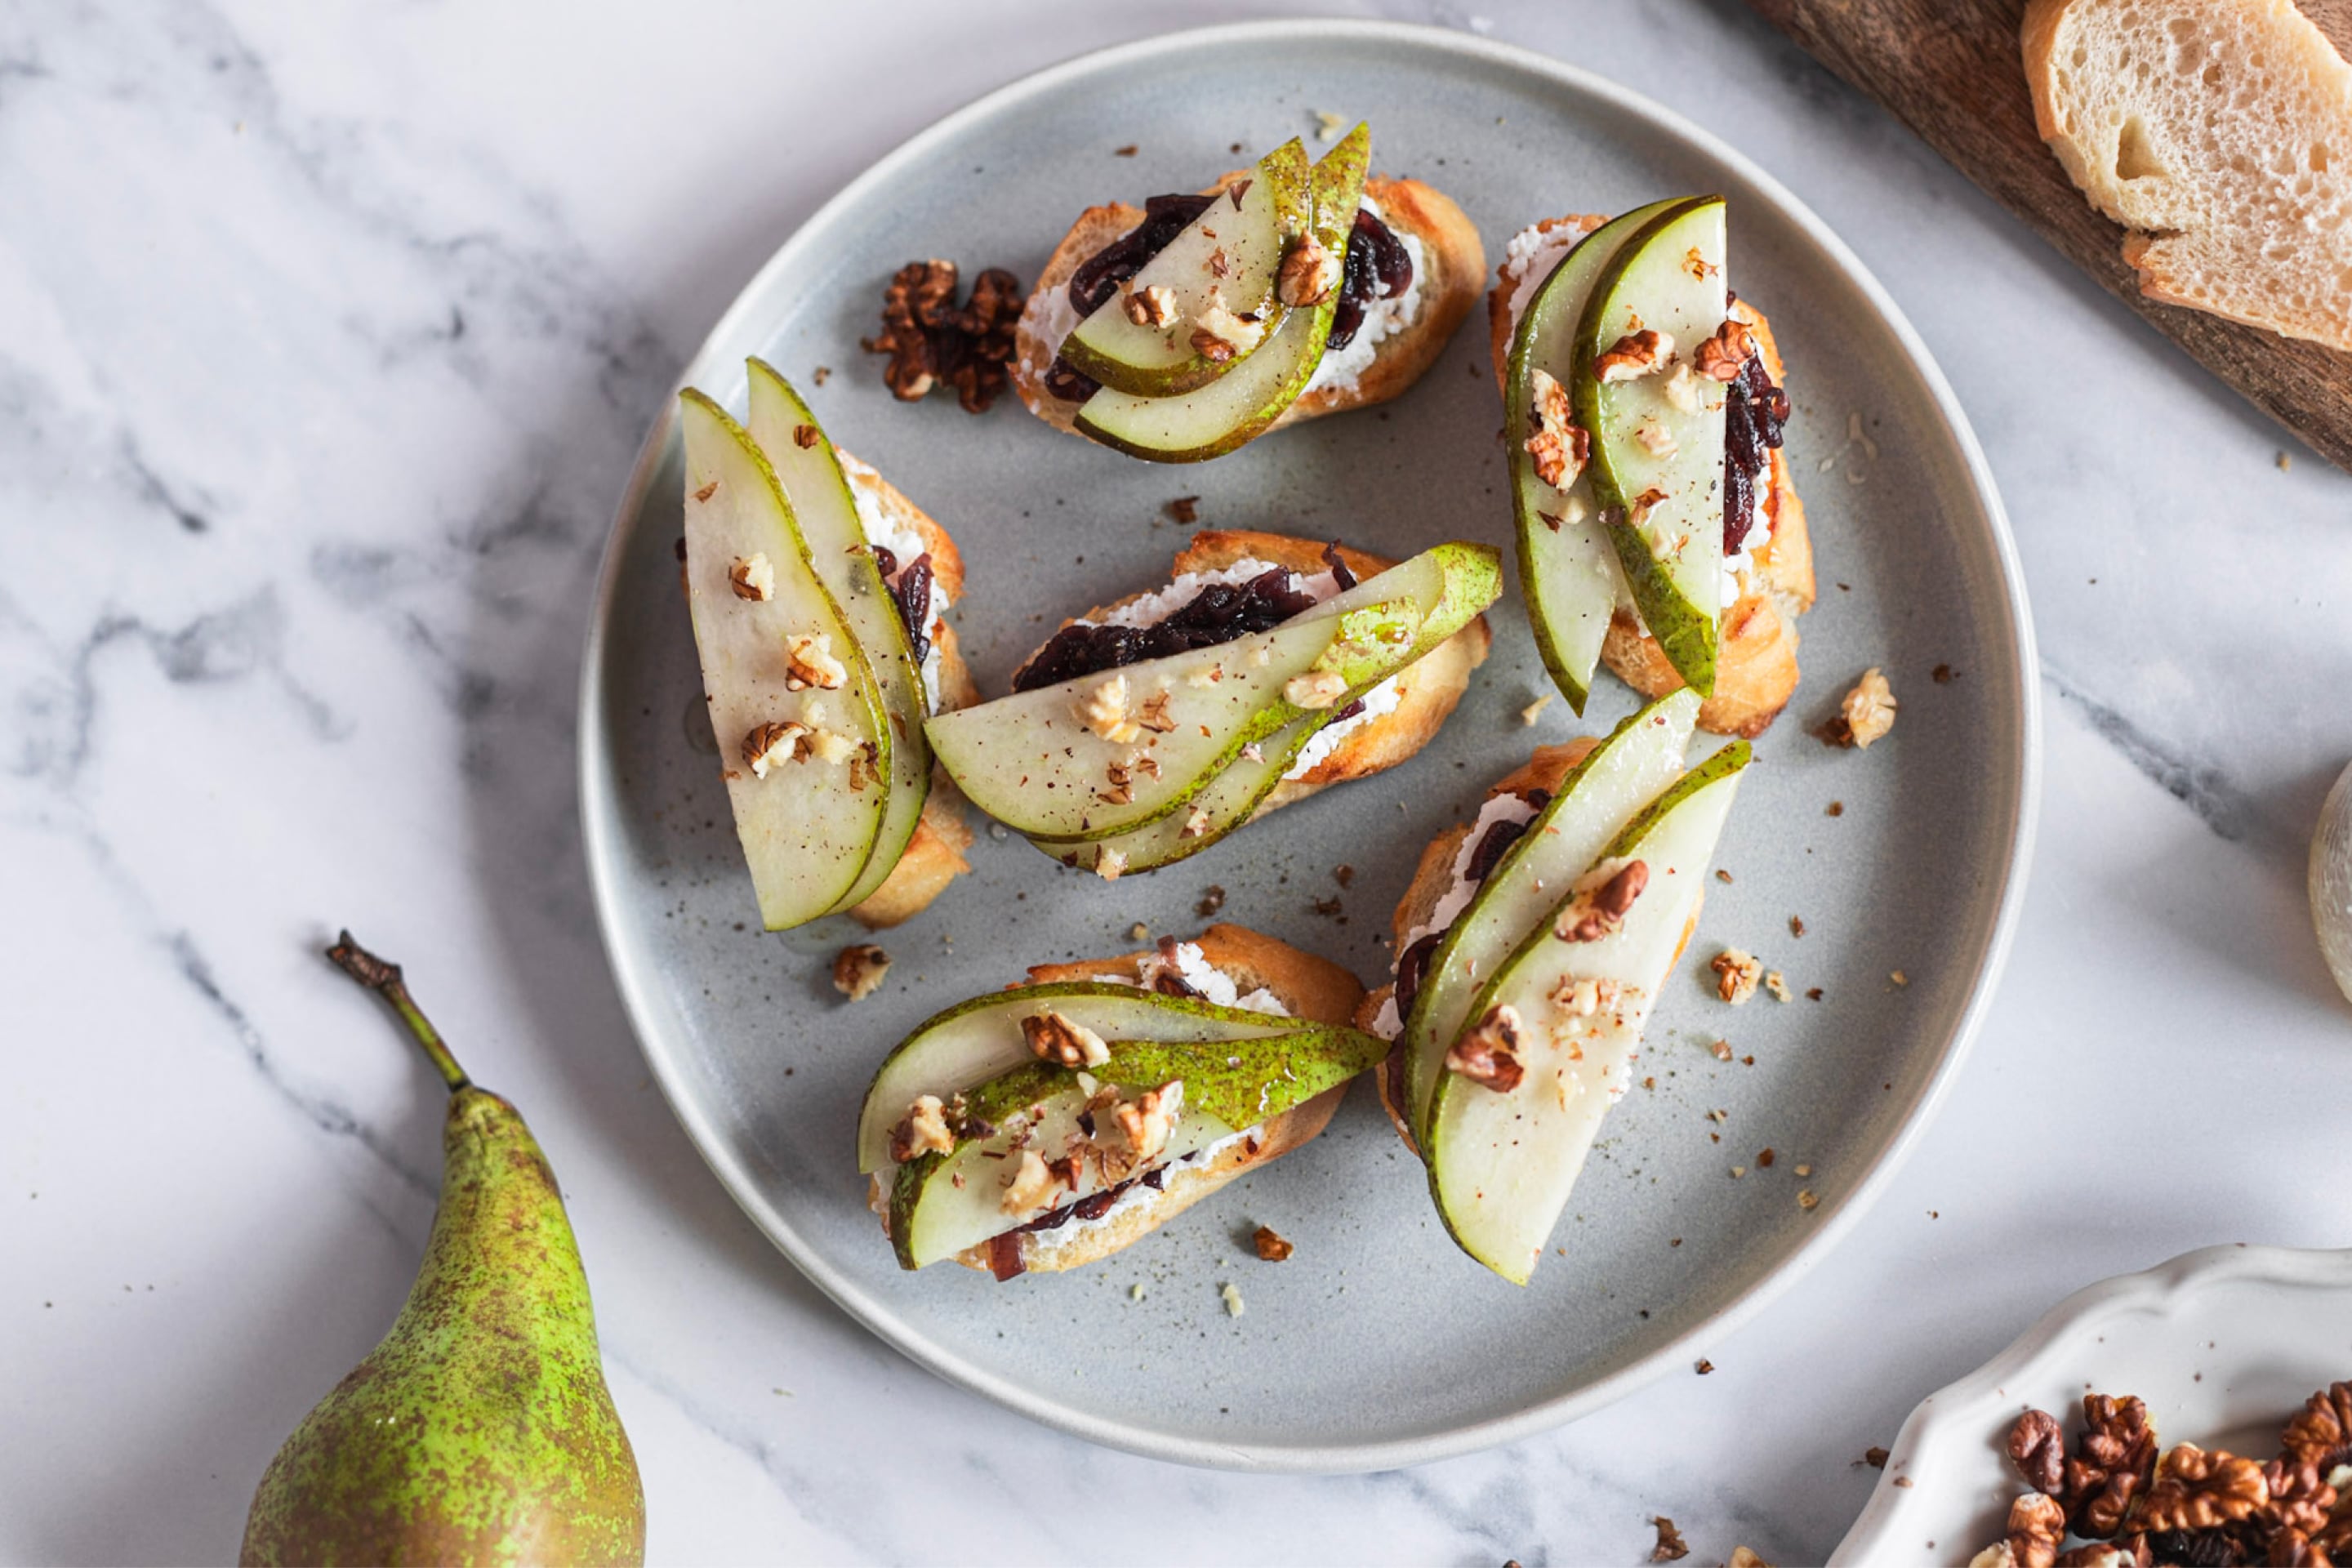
934	854
2214	130
1756	659
1427	690
1308	986
1451	253
1433	879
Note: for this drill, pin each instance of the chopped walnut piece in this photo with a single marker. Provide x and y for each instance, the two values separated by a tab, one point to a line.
1778	984
1147	1120
1219	335
2111	1464
1865	713
1154	716
1271	1249
930	338
831	746
753	577
2321	1432
1633	356
1557	444
1682	388
1534	710
1103	711
1743	1558
1309	273
1211	347
809	661
1054	1038
1196	823
1110	865
1598	911
1151	306
1697	264
1671	1547
1185	509
1328	125
924	1130
1725	355
2037	1527
2197	1490
806	436
1031	1185
1657	439
771	745
858	970
1737	973
1316	689
1488	1053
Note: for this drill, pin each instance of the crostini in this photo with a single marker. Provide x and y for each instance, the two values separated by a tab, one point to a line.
1043	1127
1530	945
1270	668
819	596
1179	330
1608	566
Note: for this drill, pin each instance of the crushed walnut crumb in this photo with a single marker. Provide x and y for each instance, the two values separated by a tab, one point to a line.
1671	1547
1737	973
1031	1185
1556	444
1314	690
1231	1294
1148	1119
809	662
1154	305
1779	986
1486	1054
772	744
1328	125
753	577
1054	1038
1184	509
923	1131
1271	1247
1534	710
1864	714
1633	356
858	970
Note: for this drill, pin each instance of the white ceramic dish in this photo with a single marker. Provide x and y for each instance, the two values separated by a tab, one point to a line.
2222	1344
1378	1344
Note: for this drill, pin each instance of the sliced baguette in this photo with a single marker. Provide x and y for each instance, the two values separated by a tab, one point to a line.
1427	690
934	854
2215	131
1307	988
1756	659
1450	251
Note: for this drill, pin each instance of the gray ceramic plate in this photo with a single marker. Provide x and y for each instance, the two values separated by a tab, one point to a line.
1377	1344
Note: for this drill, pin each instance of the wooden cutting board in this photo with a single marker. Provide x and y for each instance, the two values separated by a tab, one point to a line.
1951	70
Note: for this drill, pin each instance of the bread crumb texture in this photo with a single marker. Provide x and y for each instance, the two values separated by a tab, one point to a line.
2217	131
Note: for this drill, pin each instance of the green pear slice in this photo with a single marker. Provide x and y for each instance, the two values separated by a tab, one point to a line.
1105	752
1502	1162
1568	567
809	825
821	506
964	1046
1638	761
1456	582
1228	258
941	1204
1657	463
1211	420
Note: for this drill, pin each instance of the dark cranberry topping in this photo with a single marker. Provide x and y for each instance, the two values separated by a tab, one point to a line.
912	591
1099	275
1413	963
1004	1255
911	594
1377	265
1219	613
1339	573
1754	411
1377	259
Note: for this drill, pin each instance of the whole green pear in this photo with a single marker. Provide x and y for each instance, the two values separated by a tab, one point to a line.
480	1430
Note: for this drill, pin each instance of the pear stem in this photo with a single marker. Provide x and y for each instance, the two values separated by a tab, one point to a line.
385	979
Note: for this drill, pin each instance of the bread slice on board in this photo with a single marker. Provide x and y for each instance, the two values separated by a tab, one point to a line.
2217	132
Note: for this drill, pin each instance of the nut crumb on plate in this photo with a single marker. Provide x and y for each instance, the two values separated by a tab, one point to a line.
1271	1247
1671	1547
1737	974
1864	714
858	970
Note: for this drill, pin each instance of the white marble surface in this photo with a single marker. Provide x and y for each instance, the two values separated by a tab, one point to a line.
327	332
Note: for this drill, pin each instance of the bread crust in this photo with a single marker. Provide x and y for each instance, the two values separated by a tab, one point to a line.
1451	251
2180	242
1435	876
934	855
1428	690
1756	659
1309	986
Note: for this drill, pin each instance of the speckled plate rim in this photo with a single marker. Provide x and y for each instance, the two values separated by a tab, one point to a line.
599	812
2063	1345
